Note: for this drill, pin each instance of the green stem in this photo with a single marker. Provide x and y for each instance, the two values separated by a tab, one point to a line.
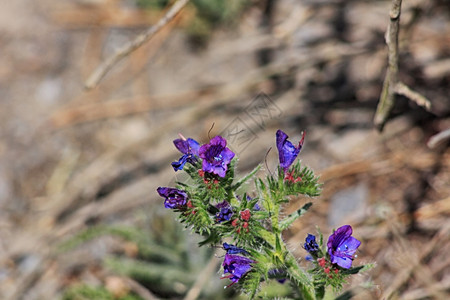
301	279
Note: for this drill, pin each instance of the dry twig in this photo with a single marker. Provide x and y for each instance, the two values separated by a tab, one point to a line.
101	70
392	85
92	111
439	139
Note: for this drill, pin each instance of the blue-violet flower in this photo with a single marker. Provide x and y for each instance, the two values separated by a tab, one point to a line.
189	147
216	156
174	198
310	244
237	266
225	212
287	152
342	246
231	249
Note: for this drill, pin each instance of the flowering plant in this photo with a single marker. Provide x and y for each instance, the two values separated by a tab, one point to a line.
213	203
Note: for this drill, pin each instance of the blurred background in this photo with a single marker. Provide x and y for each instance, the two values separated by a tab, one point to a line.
79	214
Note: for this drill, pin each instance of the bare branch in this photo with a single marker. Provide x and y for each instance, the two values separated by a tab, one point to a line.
126	49
392	85
404	90
387	97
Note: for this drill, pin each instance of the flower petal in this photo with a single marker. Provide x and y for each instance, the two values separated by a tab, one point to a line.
178	165
342	261
339	235
218	140
236	265
349	246
287	152
174	198
216	156
187	146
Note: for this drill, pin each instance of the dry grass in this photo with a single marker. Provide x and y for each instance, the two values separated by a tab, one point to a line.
70	157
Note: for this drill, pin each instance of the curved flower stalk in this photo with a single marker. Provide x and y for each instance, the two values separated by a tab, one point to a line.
216	205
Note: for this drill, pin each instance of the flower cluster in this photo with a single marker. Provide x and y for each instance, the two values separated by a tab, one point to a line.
341	247
216	205
333	264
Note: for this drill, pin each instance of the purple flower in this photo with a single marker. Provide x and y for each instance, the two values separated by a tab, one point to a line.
310	244
216	156
189	148
287	152
342	246
237	266
174	198
225	211
186	146
231	249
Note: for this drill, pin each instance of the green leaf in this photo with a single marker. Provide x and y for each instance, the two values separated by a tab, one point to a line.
81	292
277	244
356	270
213	238
127	233
303	283
320	291
251	283
286	222
246	178
147	273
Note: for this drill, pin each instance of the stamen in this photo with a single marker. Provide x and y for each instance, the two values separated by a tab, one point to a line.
182	137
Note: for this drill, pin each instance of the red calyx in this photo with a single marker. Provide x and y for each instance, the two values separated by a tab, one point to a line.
321	262
245	215
290	177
